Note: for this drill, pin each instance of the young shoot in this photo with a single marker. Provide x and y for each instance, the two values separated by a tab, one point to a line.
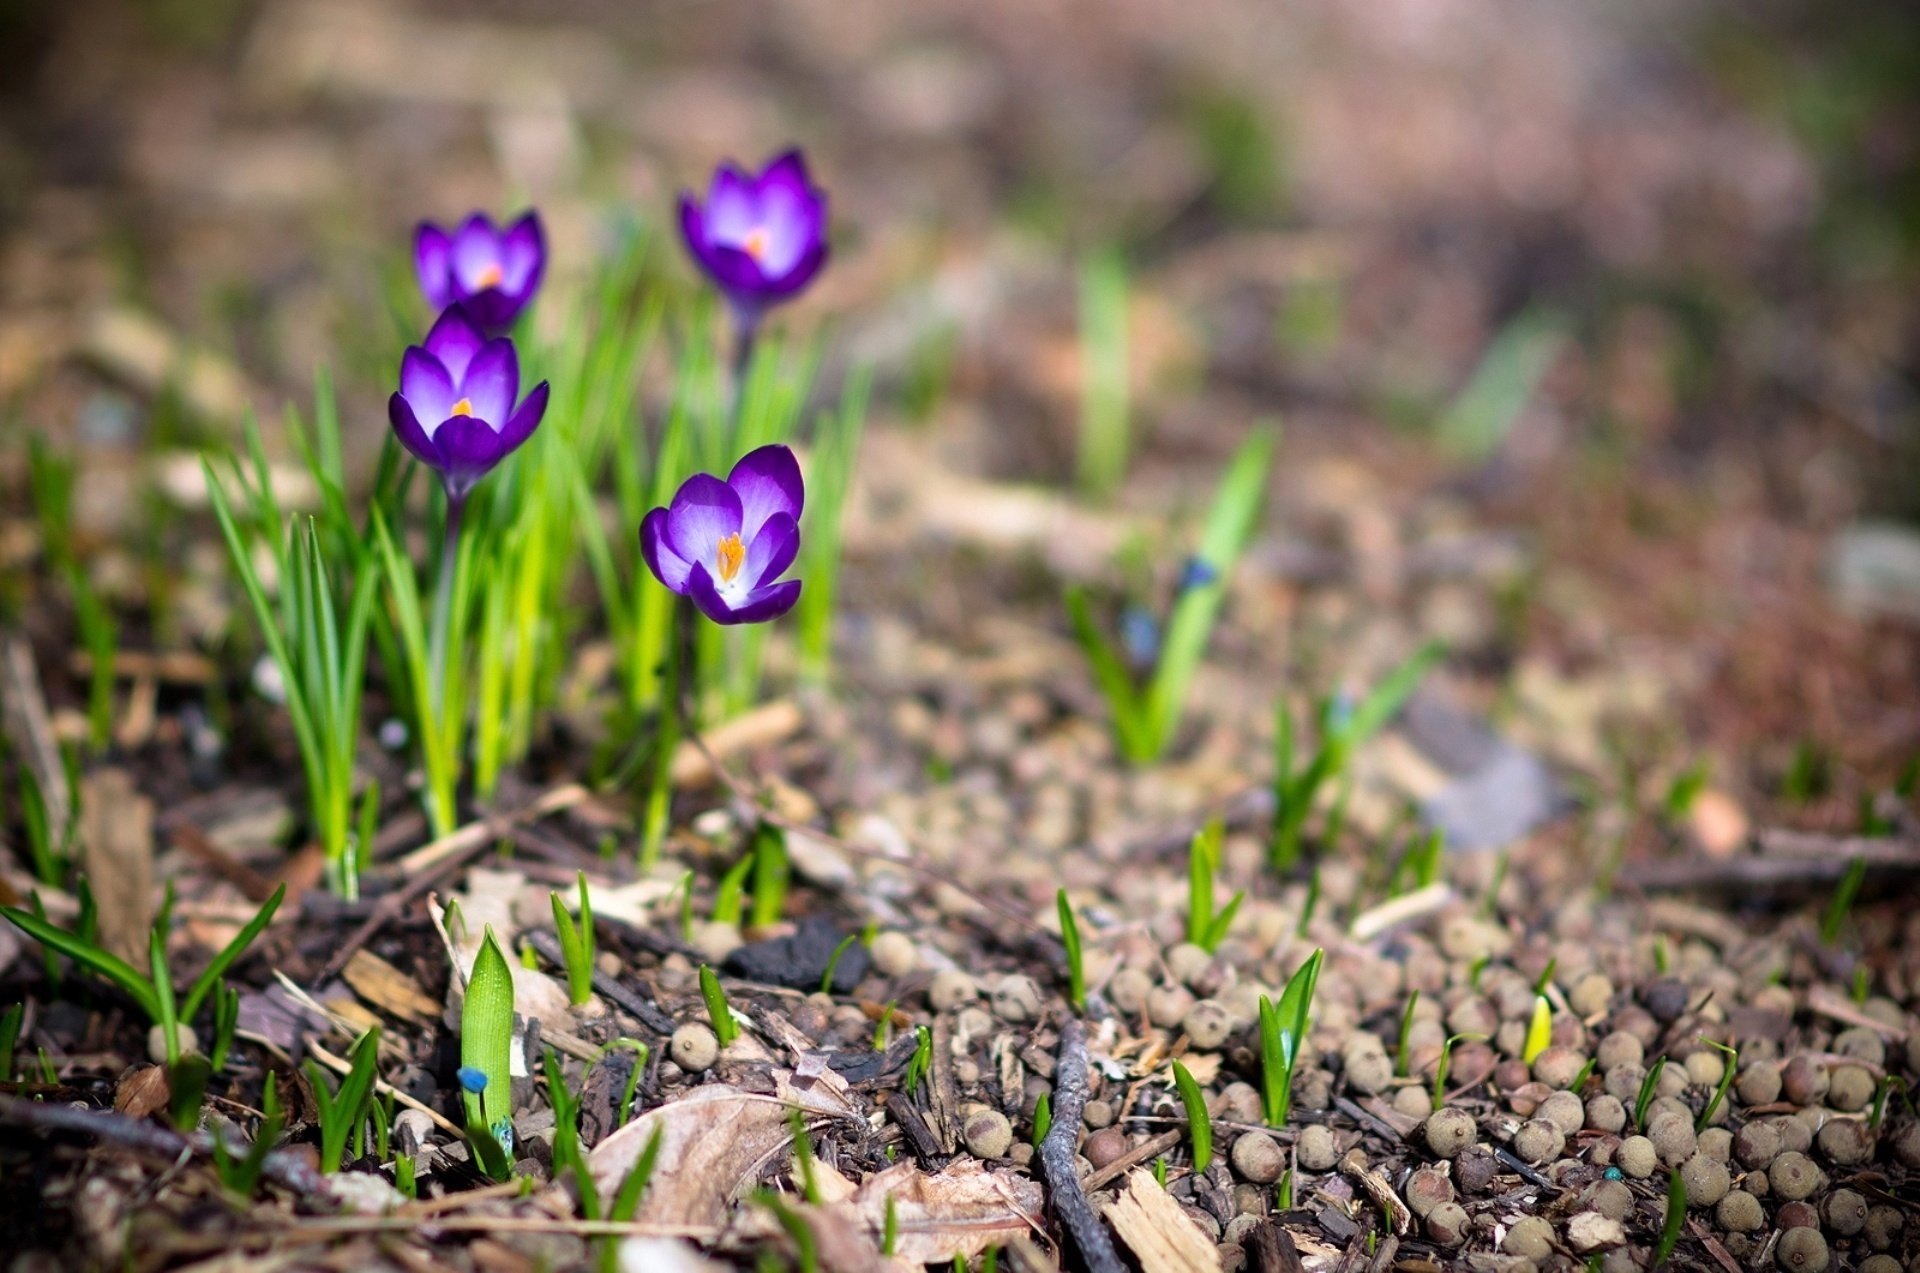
771	872
836	445
719	1012
154	991
1539	1029
1199	1121
803	1159
1841	904
890	1228
1445	1065
486	1058
1042	1119
626	1200
345	1108
1070	938
576	942
567	1154
1283	1031
1104	441
833	962
1676	1218
10	1022
1720	1089
1344	727
1649	1086
1206	929
920	1064
1406	1030
240	1175
1147	715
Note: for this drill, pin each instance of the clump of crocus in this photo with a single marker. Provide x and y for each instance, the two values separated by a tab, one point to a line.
761	238
492	271
455	410
723	545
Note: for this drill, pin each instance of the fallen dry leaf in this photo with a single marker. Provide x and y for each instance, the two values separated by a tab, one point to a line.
715	1142
116	830
389	989
959	1212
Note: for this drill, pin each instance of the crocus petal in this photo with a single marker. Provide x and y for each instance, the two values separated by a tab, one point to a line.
476	250
667	565
735	271
705	597
520	426
492	382
800	275
788	169
523	257
771	551
705	510
693	223
733	206
767	481
454	340
763	604
427	387
470	446
406	427
433	263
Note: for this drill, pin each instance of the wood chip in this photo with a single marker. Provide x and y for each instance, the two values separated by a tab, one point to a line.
1377	1188
116	832
389	989
1163	1237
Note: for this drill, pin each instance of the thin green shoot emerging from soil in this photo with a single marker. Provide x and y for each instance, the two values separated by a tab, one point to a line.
576	942
345	1108
1732	1056
1104	439
1841	904
1344	727
1206	929
1676	1218
486	1047
1070	938
1283	1031
154	991
1146	716
1406	1030
1445	1065
1649	1086
240	1175
1199	1122
719	1012
833	962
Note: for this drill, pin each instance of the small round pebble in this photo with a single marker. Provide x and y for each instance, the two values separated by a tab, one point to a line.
157	1042
1369	1072
1167	1006
1611	1198
1558	1067
694	1047
1740	1212
1707	1180
1796	1215
989	1135
1672	1137
1538	1141
1843	1212
1756	1144
1850	1088
1259	1158
1449	1131
1880	1263
1590	995
1606	1114
1475	1169
1187	961
1315	1148
1883	1226
1845	1142
1795	1136
1804	1082
1105	1146
1426	1189
1758	1084
1447	1224
1530	1238
1717	1143
1565	1111
1015	999
1098	1114
950	989
1129	989
1207	1024
1617	1049
1802	1250
1637	1157
1861	1044
1414	1102
1793	1176
894	954
1706	1068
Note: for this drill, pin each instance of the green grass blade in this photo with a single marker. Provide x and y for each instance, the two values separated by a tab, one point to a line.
105	964
232	951
1199	1122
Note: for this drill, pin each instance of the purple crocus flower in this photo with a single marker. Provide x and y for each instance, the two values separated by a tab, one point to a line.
494	272
455	410
762	238
723	544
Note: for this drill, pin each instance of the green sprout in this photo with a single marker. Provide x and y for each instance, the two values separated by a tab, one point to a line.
403	1177
796	1227
320	652
1732	1056
1539	1029
1344	727
803	1158
626	1201
1147	716
1042	1118
187	1089
1199	1121
1283	1031
1648	1086
920	1064
1445	1065
1070	938
1283	1191
771	871
730	894
153	992
725	1028
890	1228
486	1058
1406	1029
833	962
49	859
240	1175
1841	904
345	1108
1205	929
1676	1218
576	942
1103	439
567	1154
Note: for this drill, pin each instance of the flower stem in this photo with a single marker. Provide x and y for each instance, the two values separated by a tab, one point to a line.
443	601
746	334
673	711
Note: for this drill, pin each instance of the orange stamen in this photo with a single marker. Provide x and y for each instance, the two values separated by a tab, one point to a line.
463	407
732	553
756	244
489	277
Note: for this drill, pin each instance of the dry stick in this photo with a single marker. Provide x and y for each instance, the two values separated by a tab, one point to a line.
288	1168
1070	1203
1149	1148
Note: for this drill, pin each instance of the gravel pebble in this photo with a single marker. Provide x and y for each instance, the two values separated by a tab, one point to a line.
1315	1148
1793	1176
894	954
1802	1250
1707	1180
950	989
1637	1157
1449	1131
1447	1224
1207	1024
1740	1212
1259	1158
694	1047
989	1135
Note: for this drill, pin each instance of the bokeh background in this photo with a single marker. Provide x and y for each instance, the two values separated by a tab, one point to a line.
1633	282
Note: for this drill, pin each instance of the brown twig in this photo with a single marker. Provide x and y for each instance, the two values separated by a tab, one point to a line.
1070	1205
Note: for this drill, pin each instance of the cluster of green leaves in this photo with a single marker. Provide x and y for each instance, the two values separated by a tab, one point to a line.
344	1110
153	990
1206	929
1283	1031
1147	714
240	1174
576	942
486	1058
1343	726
